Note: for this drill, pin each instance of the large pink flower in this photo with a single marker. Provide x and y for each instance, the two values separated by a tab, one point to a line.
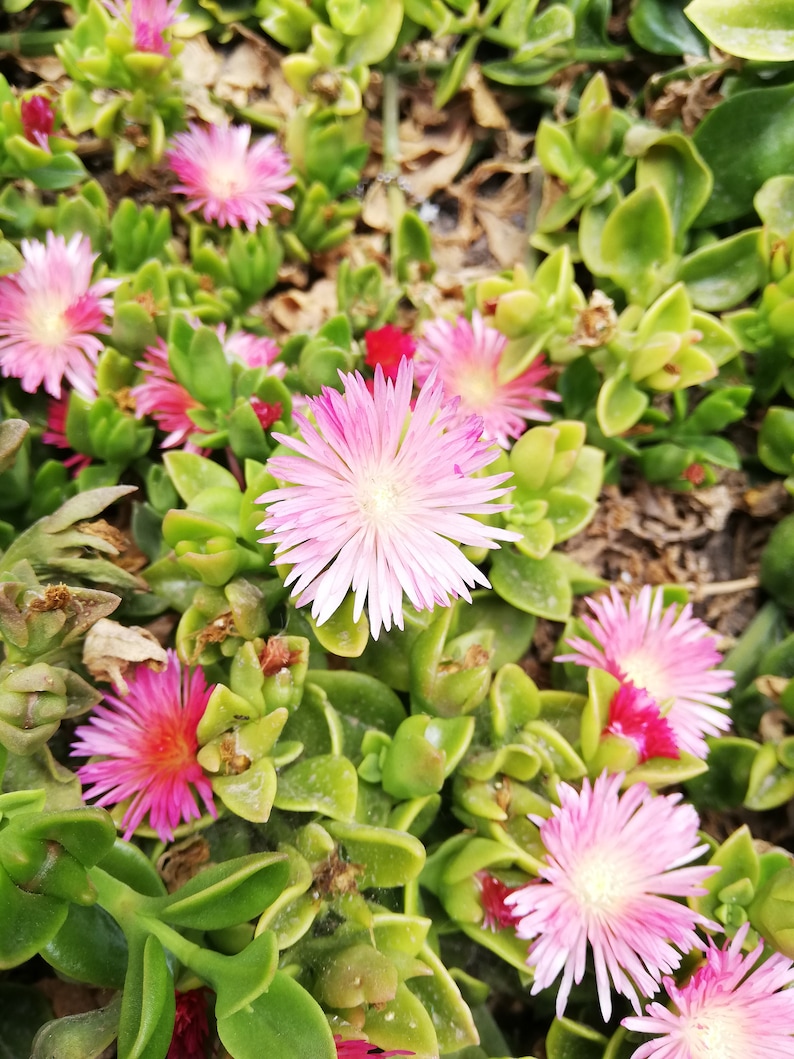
356	1048
164	399
148	21
727	1009
231	182
613	863
468	359
147	746
667	654
50	315
378	498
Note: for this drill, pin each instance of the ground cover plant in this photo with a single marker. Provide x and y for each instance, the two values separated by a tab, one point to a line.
396	537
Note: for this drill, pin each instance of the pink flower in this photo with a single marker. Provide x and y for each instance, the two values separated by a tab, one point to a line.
50	315
635	716
378	497
267	414
387	346
191	1028
669	655
38	120
164	399
358	1048
726	1010
148	20
612	864
254	351
231	182
496	914
468	358
147	745
55	434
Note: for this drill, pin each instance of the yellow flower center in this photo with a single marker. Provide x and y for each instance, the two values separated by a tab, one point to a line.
49	327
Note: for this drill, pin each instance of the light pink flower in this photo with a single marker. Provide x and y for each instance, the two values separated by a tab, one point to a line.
468	358
378	499
148	20
231	182
613	863
50	315
634	716
254	351
147	746
727	1009
164	399
667	654
357	1048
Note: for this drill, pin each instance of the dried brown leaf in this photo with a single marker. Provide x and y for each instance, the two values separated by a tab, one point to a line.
110	650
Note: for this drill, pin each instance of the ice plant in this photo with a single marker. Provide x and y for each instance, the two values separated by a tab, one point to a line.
358	1048
377	499
468	356
191	1027
613	869
387	346
231	181
634	716
50	315
496	914
729	1009
254	351
164	399
667	654
38	120
145	746
55	434
148	21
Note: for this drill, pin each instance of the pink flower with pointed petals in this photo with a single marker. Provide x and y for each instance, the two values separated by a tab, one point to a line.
50	315
496	914
613	863
635	716
387	346
229	180
147	746
378	498
38	120
468	358
55	434
728	1009
669	655
148	20
358	1048
164	399
254	351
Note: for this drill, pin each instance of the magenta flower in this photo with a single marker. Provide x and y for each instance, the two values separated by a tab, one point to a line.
667	654
50	315
634	716
164	399
148	21
357	1048
387	346
38	120
495	913
147	745
468	357
231	182
55	434
613	863
378	498
727	1009
191	1026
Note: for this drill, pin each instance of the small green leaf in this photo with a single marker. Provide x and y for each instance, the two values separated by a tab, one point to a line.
537	586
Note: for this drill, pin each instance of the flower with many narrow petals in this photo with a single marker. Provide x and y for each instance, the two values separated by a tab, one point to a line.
634	716
667	654
359	1048
148	21
164	399
254	351
38	120
191	1027
55	434
613	863
728	1009
378	498
50	315
146	745
387	346
468	358
229	180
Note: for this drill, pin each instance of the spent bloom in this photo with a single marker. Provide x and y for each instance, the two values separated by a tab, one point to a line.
148	21
164	399
231	181
667	654
357	1048
50	315
387	346
612	872
378	497
635	717
191	1026
38	120
146	745
467	356
495	913
729	1009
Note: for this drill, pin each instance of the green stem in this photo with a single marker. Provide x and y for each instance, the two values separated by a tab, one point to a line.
33	42
391	154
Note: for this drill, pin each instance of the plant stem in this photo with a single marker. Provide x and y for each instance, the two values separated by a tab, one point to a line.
32	42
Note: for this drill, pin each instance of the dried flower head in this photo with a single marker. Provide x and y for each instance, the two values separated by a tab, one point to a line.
191	1027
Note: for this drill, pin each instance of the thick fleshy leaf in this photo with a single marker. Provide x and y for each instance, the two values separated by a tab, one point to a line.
324	784
537	586
752	29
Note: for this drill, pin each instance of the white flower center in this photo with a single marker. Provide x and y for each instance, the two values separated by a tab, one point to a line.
223	181
49	327
476	388
642	668
717	1033
378	500
598	883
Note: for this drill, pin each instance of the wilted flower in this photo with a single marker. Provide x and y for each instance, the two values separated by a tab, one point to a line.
378	498
38	120
357	1048
468	357
191	1027
164	399
727	1009
666	654
50	315
387	346
634	716
147	745
148	21
231	182
613	863
55	434
495	913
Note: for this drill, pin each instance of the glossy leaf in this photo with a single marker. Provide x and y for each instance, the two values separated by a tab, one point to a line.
752	29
